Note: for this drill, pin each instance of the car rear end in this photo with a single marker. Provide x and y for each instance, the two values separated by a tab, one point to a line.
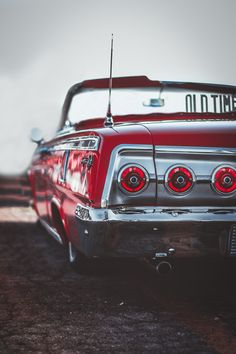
164	200
171	190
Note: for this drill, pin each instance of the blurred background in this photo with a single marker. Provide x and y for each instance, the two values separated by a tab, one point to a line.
47	46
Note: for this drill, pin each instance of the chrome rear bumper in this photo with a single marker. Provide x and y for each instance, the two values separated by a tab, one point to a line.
133	231
150	214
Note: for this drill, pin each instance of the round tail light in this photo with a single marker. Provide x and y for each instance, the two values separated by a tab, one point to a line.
133	178
224	179
179	179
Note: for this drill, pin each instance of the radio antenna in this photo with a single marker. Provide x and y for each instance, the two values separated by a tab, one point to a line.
109	120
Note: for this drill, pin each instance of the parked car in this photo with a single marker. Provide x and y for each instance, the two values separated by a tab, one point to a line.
154	178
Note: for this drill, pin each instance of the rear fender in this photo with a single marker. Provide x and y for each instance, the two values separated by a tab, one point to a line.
55	202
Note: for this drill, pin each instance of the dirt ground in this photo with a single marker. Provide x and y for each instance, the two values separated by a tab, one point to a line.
45	307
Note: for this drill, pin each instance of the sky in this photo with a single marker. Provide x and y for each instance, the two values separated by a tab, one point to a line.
47	46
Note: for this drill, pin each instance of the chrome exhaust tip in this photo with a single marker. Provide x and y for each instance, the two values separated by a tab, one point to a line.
164	267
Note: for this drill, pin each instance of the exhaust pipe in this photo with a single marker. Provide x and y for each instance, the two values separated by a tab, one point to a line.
164	267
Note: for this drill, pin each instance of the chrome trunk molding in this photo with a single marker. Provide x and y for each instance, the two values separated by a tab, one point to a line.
170	152
195	150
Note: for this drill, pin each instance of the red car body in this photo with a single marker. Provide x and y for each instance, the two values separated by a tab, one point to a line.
161	184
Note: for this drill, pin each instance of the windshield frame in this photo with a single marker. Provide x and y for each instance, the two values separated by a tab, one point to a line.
137	83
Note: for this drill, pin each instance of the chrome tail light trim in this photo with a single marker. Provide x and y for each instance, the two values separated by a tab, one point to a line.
112	166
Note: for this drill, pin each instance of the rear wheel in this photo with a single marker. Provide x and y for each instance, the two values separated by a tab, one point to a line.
78	261
90	266
58	224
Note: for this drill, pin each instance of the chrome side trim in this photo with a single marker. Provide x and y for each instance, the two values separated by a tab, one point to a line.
51	231
80	143
111	169
90	143
195	150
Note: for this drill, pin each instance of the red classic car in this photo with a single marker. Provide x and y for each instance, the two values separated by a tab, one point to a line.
154	178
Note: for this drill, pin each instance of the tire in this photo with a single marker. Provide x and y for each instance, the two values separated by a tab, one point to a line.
80	263
84	265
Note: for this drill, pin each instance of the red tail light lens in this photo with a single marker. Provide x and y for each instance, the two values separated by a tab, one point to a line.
179	179
224	179
133	178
